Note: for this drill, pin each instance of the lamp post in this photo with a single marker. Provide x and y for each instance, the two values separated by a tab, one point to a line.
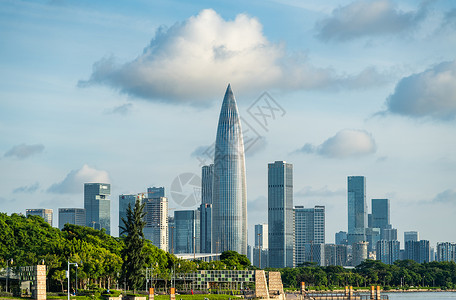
68	276
7	272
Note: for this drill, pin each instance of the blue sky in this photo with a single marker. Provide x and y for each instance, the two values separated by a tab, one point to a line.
130	92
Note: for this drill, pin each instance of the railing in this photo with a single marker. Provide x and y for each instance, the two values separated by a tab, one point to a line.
340	296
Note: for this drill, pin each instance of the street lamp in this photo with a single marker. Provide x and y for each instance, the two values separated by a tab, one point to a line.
7	272
68	276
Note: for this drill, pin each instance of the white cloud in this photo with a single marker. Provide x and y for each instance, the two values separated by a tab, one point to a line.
346	143
74	181
23	151
366	18
193	61
431	93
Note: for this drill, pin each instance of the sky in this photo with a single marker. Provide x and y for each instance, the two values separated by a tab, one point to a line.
129	93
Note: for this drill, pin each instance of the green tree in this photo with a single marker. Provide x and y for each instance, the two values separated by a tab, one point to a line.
133	254
232	260
60	276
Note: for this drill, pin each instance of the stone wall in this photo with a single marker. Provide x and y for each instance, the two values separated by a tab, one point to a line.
275	284
261	287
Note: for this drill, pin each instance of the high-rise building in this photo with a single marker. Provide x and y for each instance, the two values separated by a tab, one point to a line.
207	180
124	201
97	205
359	253
372	237
309	229
314	253
335	255
46	214
388	251
341	238
74	216
171	231
380	213
418	251
187	231
388	234
260	251
412	236
357	209
280	215
155	192
229	190
446	251
156	229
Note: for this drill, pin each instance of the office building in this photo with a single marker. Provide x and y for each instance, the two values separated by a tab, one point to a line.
359	253
388	251
341	238
357	209
229	190
336	255
280	215
155	192
309	229
74	216
97	206
171	230
156	229
380	213
412	236
207	180
124	201
388	234
46	214
260	251
313	253
187	231
446	251
372	237
418	251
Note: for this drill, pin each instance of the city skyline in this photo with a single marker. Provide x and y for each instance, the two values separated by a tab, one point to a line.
69	113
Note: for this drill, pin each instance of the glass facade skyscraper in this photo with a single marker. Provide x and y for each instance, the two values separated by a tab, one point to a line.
380	213
388	251
156	229
207	180
45	213
155	192
98	206
357	209
280	215
229	189
411	236
124	201
74	216
260	250
309	229
187	231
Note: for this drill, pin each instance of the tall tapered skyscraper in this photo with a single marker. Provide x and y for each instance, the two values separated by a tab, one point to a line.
229	193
